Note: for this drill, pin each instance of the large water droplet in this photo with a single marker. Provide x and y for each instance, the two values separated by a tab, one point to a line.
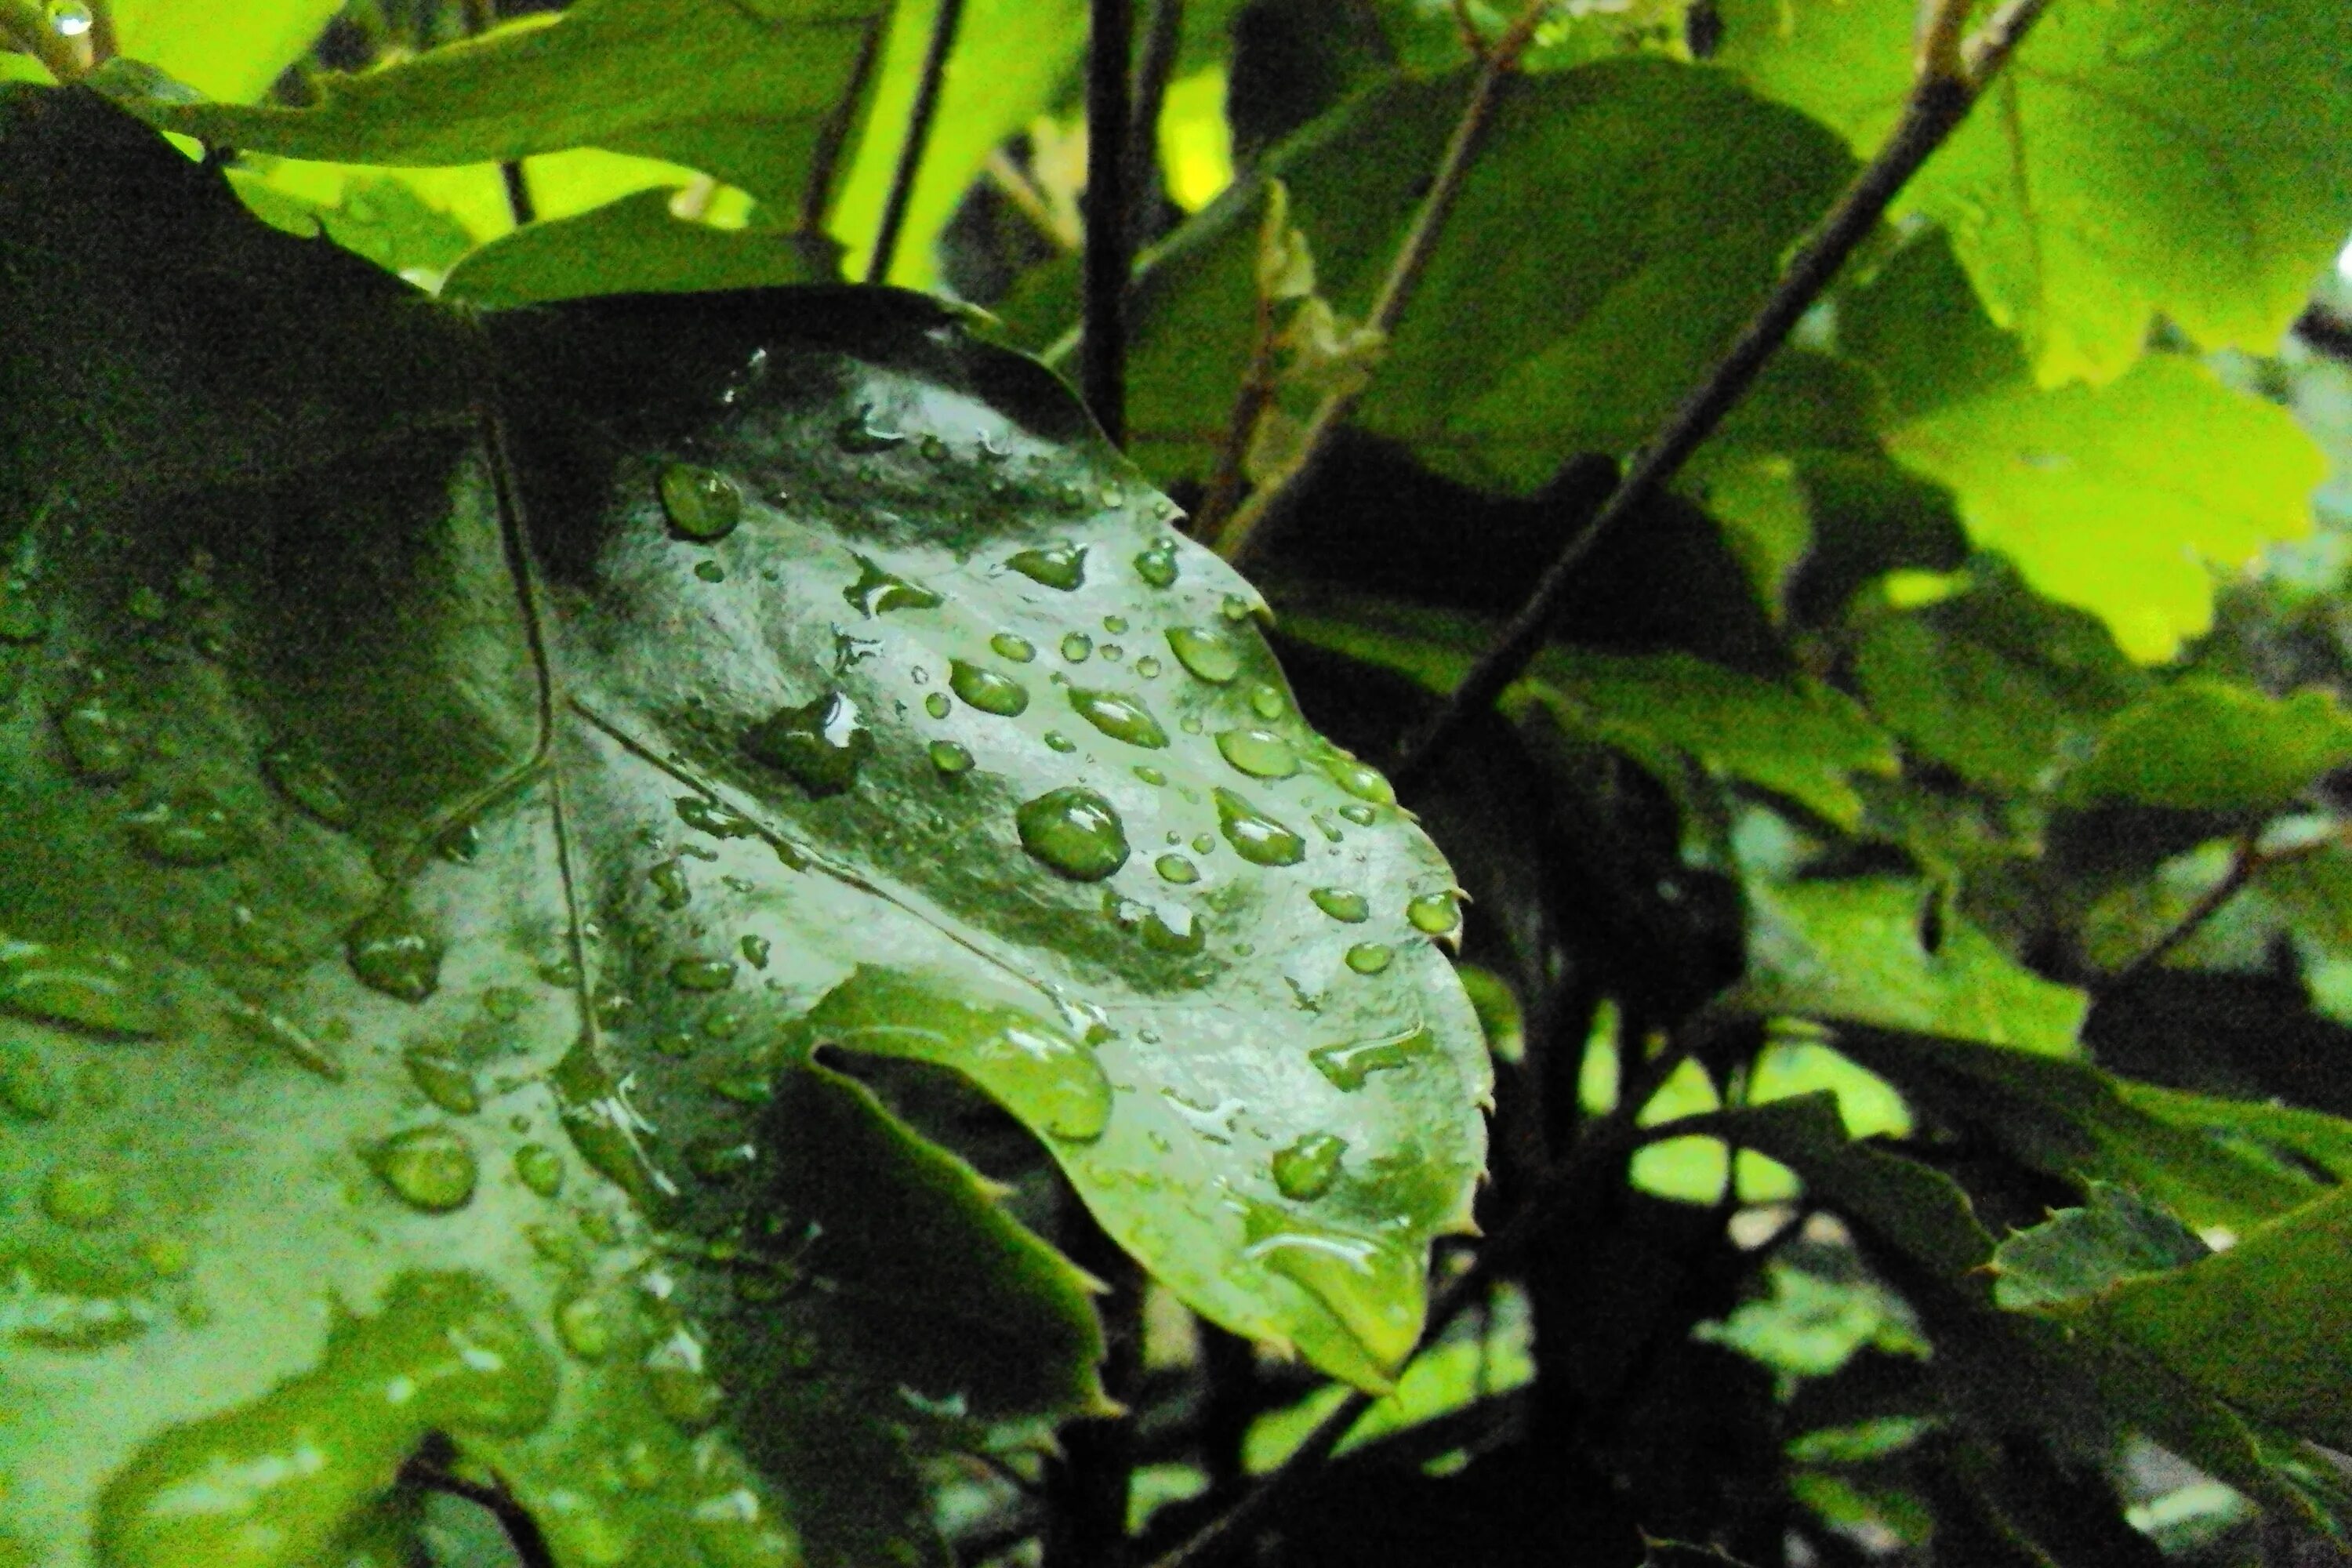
820	746
1433	913
1019	650
429	1168
1156	565
1370	957
1062	566
1362	816
703	504
1266	700
81	1199
95	987
188	828
877	591
950	758
1120	717
306	780
987	689
1205	653
1363	782
1350	1063
445	1082
1342	904
1255	836
1073	830
1176	869
1305	1169
392	951
1261	753
1376	1291
69	18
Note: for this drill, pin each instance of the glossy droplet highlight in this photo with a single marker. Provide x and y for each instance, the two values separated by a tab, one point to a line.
1176	869
1207	654
703	504
1075	831
1057	741
1435	913
987	689
1342	904
428	1168
392	951
189	827
1157	564
1370	957
1362	816
950	758
584	1324
445	1082
820	746
1266	700
1349	1063
1261	753
1305	1169
1062	566
863	434
1363	782
937	705
681	1388
1255	836
877	593
1020	651
1120	717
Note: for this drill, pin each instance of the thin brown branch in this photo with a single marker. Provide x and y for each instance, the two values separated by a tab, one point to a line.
1264	513
944	28
1935	106
27	27
2248	860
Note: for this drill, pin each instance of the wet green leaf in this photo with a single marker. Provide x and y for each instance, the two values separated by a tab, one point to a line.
442	871
2079	1253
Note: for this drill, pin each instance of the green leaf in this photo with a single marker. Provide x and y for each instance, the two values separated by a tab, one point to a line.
2287	1132
634	246
2077	1254
2137	157
446	870
1854	952
2209	746
1539	329
228	52
747	93
1012	58
2122	499
1910	1205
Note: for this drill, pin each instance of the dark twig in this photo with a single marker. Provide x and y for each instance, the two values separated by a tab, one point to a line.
944	26
1086	1487
429	1472
1163	36
1109	254
1562	1191
1247	531
2247	861
825	167
480	16
1940	100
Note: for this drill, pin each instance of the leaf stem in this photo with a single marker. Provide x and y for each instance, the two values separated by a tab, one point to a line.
1936	105
944	28
1264	513
1111	249
23	24
1561	1191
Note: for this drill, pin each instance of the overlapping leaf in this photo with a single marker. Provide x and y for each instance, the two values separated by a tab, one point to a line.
441	852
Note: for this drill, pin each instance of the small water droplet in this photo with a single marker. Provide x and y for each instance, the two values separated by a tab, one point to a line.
1076	647
950	758
1234	609
1122	717
391	951
1347	1065
703	504
1255	836
584	1324
702	974
1327	827
1062	566
1364	781
1205	653
81	1199
1057	741
303	778
73	983
1157	564
1342	904
1266	700
1112	652
288	1039
710	571
669	884
539	1168
429	1168
1150	775
1362	816
719	1160
1176	869
1019	650
1304	1171
1075	831
755	950
1370	957
1115	625
820	746
69	18
188	828
1202	843
937	705
877	593
681	1390
1433	913
1148	667
860	436
987	689
444	1082
1261	753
